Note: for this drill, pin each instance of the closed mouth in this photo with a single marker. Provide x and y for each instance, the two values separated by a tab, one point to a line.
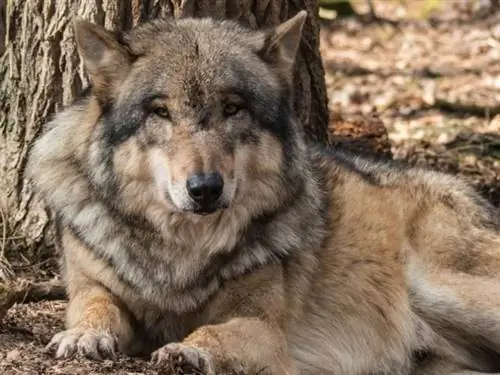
209	209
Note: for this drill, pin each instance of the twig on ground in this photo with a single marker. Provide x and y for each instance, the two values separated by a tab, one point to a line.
470	108
25	291
6	271
349	68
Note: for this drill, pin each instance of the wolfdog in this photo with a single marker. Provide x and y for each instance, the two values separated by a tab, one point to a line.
198	225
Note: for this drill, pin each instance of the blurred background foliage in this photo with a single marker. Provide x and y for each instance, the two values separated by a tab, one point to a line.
330	9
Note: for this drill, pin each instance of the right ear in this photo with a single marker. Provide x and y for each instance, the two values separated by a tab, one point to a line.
282	42
105	59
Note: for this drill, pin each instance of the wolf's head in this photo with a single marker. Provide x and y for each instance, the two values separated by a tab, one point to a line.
204	105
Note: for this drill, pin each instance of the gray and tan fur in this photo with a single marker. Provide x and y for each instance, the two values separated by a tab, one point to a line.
285	258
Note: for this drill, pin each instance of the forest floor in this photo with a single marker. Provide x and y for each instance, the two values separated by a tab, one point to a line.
432	78
434	83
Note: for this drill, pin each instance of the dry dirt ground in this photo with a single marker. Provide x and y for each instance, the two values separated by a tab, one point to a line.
432	77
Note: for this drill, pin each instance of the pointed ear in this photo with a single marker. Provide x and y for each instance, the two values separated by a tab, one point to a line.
282	42
105	59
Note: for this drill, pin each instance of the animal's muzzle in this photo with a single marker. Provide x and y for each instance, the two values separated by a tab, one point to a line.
205	189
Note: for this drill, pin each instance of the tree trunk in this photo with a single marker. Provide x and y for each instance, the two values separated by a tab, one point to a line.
41	72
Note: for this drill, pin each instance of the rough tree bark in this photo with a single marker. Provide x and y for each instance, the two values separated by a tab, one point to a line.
40	72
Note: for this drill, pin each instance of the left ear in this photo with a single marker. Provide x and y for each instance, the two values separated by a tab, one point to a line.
106	60
282	42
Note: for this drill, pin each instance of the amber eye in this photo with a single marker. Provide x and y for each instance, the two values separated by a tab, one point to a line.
162	112
231	109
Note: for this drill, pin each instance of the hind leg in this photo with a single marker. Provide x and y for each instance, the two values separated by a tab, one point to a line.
464	311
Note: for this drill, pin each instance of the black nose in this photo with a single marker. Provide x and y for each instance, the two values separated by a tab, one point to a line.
205	188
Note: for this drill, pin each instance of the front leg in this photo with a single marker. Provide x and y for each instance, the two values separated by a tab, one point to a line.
97	322
96	327
243	334
240	346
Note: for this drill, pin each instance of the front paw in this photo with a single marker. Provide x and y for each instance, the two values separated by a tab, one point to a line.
91	343
180	359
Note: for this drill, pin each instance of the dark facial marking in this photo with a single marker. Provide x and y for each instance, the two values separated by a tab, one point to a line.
196	49
204	120
249	137
194	91
123	122
271	110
